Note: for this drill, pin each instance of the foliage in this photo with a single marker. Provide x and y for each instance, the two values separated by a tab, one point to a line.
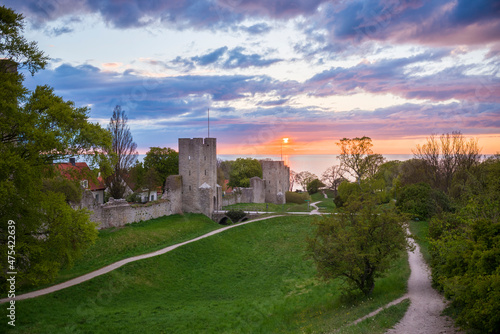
242	170
421	201
71	190
123	152
314	185
357	158
164	160
465	250
297	198
358	244
236	215
37	128
14	47
304	178
134	198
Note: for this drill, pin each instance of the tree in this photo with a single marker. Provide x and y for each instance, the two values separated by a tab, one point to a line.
357	158
123	153
358	244
292	175
164	160
304	178
465	251
333	177
314	185
37	128
445	156
242	170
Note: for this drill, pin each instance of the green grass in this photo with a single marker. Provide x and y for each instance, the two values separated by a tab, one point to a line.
249	279
326	204
381	322
115	244
420	229
269	207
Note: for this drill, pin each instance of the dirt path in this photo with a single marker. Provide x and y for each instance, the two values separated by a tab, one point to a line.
424	313
120	263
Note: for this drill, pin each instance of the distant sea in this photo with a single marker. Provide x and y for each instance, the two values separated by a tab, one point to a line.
314	163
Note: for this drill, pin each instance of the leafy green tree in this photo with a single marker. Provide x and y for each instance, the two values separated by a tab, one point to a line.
314	185
421	201
164	160
242	170
357	158
358	244
37	128
465	252
122	154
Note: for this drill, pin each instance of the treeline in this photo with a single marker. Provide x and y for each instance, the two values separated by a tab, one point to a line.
457	190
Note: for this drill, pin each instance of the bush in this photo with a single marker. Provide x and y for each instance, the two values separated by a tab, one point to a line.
236	215
314	185
421	201
297	198
338	201
134	198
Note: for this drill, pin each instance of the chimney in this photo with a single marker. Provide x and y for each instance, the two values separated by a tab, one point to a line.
72	161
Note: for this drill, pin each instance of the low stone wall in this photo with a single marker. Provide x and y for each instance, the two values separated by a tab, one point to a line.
118	212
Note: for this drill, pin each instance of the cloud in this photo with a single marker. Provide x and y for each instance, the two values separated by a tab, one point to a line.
396	77
54	32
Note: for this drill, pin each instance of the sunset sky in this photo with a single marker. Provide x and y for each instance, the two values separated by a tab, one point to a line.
313	71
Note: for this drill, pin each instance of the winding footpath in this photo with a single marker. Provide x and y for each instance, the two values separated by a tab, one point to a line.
123	262
426	304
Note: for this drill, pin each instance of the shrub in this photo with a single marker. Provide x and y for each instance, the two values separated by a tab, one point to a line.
314	185
134	198
421	201
236	215
297	198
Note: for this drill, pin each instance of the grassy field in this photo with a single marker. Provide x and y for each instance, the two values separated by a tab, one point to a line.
250	279
269	207
115	244
420	229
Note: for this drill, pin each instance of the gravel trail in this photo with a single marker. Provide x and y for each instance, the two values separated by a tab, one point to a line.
424	313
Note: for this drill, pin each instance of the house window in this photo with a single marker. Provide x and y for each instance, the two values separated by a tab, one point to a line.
85	183
152	197
97	197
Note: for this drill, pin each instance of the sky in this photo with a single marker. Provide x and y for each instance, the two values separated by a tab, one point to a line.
313	71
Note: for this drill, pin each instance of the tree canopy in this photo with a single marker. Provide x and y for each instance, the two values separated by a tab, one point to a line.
358	244
242	170
357	158
164	160
38	128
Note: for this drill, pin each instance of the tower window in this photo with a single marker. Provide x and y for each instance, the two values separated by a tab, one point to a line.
205	172
189	188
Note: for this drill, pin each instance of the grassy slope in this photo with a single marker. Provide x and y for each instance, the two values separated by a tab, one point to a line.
115	244
249	279
420	229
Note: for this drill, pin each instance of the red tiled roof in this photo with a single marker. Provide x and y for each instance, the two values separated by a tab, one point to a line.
80	171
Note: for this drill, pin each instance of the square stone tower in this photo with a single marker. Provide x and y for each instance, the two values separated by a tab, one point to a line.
276	176
198	168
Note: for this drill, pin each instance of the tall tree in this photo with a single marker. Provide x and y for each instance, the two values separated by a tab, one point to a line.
37	128
357	158
333	177
358	244
446	155
123	153
242	170
304	178
164	160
